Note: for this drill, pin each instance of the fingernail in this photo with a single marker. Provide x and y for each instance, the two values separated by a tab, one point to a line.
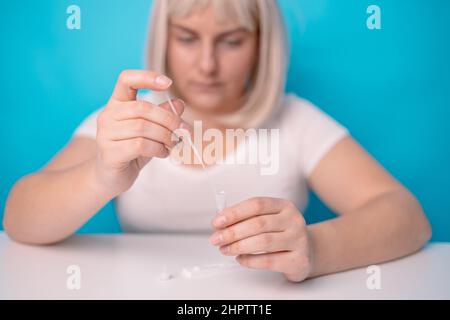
182	102
220	221
225	249
163	81
216	238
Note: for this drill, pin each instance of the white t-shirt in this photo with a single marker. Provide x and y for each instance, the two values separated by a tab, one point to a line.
169	197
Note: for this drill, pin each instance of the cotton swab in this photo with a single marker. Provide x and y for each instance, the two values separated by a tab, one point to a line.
209	270
220	196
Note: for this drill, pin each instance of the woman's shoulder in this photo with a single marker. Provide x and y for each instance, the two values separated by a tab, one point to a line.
304	120
297	112
313	130
299	106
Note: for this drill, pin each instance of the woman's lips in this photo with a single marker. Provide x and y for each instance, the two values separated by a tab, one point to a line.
206	87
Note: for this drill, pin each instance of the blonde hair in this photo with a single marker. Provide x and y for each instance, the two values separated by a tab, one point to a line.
266	89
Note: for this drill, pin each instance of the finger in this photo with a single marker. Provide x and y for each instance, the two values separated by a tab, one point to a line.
130	81
294	265
275	261
247	209
178	104
250	227
128	150
185	130
150	112
135	128
264	242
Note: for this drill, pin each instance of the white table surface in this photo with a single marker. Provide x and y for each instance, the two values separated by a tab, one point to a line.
128	266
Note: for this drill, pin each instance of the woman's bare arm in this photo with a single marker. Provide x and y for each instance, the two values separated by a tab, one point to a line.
379	219
50	205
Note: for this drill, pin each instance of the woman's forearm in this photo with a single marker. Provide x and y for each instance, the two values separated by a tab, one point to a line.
387	227
49	206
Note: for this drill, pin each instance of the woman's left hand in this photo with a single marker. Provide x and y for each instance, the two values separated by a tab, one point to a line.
265	233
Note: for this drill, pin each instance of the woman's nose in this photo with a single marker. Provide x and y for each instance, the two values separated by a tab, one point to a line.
208	60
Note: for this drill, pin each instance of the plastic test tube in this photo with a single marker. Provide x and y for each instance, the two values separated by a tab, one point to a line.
221	200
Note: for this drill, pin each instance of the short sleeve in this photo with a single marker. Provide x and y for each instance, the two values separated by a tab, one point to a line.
88	127
316	132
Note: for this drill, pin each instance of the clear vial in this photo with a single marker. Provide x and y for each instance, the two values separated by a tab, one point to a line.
221	200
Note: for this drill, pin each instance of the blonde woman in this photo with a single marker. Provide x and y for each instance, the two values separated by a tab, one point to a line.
227	61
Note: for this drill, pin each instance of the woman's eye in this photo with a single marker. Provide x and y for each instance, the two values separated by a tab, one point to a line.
233	43
186	39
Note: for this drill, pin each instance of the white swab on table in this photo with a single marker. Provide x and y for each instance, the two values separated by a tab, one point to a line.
209	270
186	273
203	271
165	276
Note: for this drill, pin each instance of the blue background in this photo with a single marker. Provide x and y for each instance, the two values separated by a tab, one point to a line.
390	87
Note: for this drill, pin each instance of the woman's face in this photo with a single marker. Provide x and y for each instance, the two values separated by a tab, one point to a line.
210	62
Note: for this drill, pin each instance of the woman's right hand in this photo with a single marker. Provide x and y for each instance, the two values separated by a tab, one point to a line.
130	133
